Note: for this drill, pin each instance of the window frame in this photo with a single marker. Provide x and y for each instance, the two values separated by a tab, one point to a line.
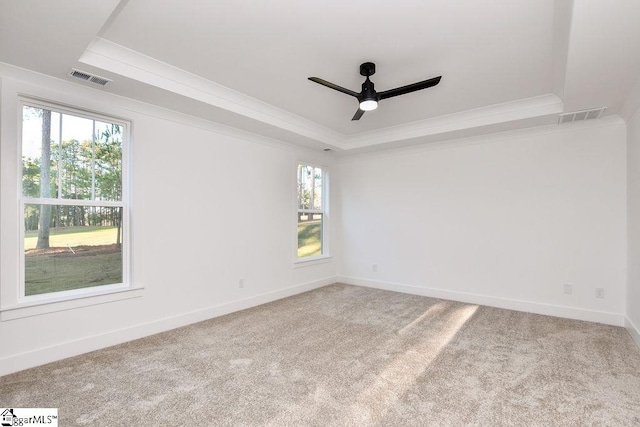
24	300
326	252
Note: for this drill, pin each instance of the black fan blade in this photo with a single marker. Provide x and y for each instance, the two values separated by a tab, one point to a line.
409	88
358	114
333	86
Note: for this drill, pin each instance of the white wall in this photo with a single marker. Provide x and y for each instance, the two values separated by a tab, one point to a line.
210	205
633	164
504	220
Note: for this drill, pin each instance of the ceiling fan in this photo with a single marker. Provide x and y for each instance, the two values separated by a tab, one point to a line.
368	97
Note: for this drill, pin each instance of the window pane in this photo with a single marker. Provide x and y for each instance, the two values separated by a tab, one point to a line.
309	187
40	139
76	158
108	162
309	234
317	188
71	247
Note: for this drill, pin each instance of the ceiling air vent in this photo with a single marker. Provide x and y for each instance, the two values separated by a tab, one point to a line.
87	77
577	116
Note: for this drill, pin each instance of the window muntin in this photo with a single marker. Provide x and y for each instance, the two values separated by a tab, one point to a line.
311	211
73	207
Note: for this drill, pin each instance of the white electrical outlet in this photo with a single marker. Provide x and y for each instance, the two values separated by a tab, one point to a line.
568	289
374	268
599	293
241	283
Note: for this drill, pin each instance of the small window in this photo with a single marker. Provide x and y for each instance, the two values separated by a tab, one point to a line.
73	210
311	211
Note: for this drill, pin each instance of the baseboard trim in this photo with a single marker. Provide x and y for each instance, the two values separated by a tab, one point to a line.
41	356
510	304
633	330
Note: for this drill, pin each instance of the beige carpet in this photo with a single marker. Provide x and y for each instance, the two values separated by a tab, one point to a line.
344	355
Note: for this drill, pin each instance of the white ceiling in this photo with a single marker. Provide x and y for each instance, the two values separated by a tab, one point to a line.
505	63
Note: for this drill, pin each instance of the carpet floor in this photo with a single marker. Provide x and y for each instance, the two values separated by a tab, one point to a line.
350	356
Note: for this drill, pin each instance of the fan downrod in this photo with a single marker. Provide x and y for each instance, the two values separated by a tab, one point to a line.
367	69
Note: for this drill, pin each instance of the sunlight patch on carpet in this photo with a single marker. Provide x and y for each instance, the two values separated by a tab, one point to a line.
402	372
433	311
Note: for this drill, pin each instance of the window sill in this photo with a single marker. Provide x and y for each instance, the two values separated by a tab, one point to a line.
304	262
39	306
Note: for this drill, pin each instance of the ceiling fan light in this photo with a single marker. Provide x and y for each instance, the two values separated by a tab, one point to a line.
368	105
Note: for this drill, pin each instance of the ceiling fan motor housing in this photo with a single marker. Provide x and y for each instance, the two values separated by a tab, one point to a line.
368	91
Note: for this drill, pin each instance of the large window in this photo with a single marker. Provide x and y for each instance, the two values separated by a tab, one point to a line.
73	210
311	211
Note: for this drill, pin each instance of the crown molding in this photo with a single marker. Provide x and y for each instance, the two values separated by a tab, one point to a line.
519	110
118	59
513	134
